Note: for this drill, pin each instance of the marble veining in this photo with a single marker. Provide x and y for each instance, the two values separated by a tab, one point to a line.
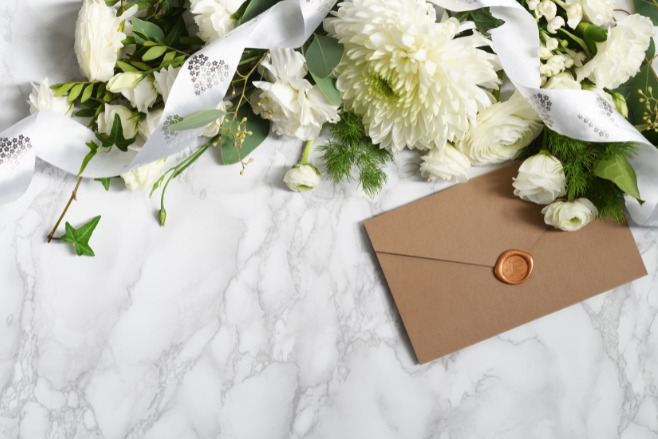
262	313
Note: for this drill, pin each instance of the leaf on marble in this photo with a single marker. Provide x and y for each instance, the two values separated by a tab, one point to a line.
80	237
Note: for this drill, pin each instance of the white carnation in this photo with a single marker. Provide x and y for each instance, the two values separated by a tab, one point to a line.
143	95
214	17
98	40
598	12
43	98
570	215
296	107
144	176
417	84
541	179
501	131
302	177
149	123
164	80
129	120
621	56
447	163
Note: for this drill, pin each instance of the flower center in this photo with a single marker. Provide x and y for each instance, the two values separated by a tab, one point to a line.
381	87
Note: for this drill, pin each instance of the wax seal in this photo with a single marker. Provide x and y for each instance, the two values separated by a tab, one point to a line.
514	267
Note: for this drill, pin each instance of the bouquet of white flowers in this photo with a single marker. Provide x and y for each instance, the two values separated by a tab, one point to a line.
380	75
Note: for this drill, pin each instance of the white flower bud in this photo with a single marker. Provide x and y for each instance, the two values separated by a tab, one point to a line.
548	9
447	163
574	14
570	215
533	4
124	81
555	24
544	53
541	179
302	177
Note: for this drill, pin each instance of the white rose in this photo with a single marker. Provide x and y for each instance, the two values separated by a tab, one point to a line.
129	120
541	179
621	56
213	129
447	163
149	123
164	80
144	176
570	215
143	95
302	177
501	131
296	107
598	12
563	81
43	98
214	17
98	40
548	9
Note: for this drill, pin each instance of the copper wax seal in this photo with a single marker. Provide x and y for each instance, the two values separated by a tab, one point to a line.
514	267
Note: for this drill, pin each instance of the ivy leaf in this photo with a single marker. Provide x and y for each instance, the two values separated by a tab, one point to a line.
328	88
618	170
259	127
323	55
105	182
255	8
484	21
647	8
80	237
197	120
116	136
93	150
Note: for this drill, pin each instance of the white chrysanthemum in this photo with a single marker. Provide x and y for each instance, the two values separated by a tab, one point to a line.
98	40
214	17
621	56
413	82
43	98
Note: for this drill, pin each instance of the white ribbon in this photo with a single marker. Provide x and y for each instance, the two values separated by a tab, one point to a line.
581	115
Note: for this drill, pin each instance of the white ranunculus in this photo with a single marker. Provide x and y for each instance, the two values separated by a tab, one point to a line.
541	179
149	123
621	56
214	17
562	81
124	81
598	12
213	128
296	107
43	98
143	95
144	176
302	177
129	120
164	80
98	40
501	131
570	215
448	164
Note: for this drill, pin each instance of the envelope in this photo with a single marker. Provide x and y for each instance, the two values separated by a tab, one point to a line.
438	256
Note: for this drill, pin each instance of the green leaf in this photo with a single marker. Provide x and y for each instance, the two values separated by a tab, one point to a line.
116	136
86	112
197	120
255	8
259	127
592	34
168	59
328	88
484	21
647	8
618	170
127	68
93	150
637	103
80	237
140	65
146	29
100	91
323	55
105	182
153	53
89	90
61	91
75	92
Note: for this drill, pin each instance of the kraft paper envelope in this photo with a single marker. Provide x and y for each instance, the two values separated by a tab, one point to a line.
438	256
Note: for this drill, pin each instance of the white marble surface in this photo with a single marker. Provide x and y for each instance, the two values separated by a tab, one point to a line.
261	313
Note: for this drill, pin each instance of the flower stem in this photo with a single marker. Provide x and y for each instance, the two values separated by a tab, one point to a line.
61	217
307	151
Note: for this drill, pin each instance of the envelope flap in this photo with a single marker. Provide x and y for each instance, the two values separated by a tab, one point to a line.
471	223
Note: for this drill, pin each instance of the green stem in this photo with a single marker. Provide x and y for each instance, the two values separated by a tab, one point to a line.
307	151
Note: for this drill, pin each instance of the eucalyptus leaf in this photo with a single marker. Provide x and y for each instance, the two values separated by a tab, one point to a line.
323	55
146	29
259	127
647	8
197	120
618	170
328	88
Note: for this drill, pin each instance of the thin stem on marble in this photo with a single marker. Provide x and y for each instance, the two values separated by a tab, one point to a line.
61	217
